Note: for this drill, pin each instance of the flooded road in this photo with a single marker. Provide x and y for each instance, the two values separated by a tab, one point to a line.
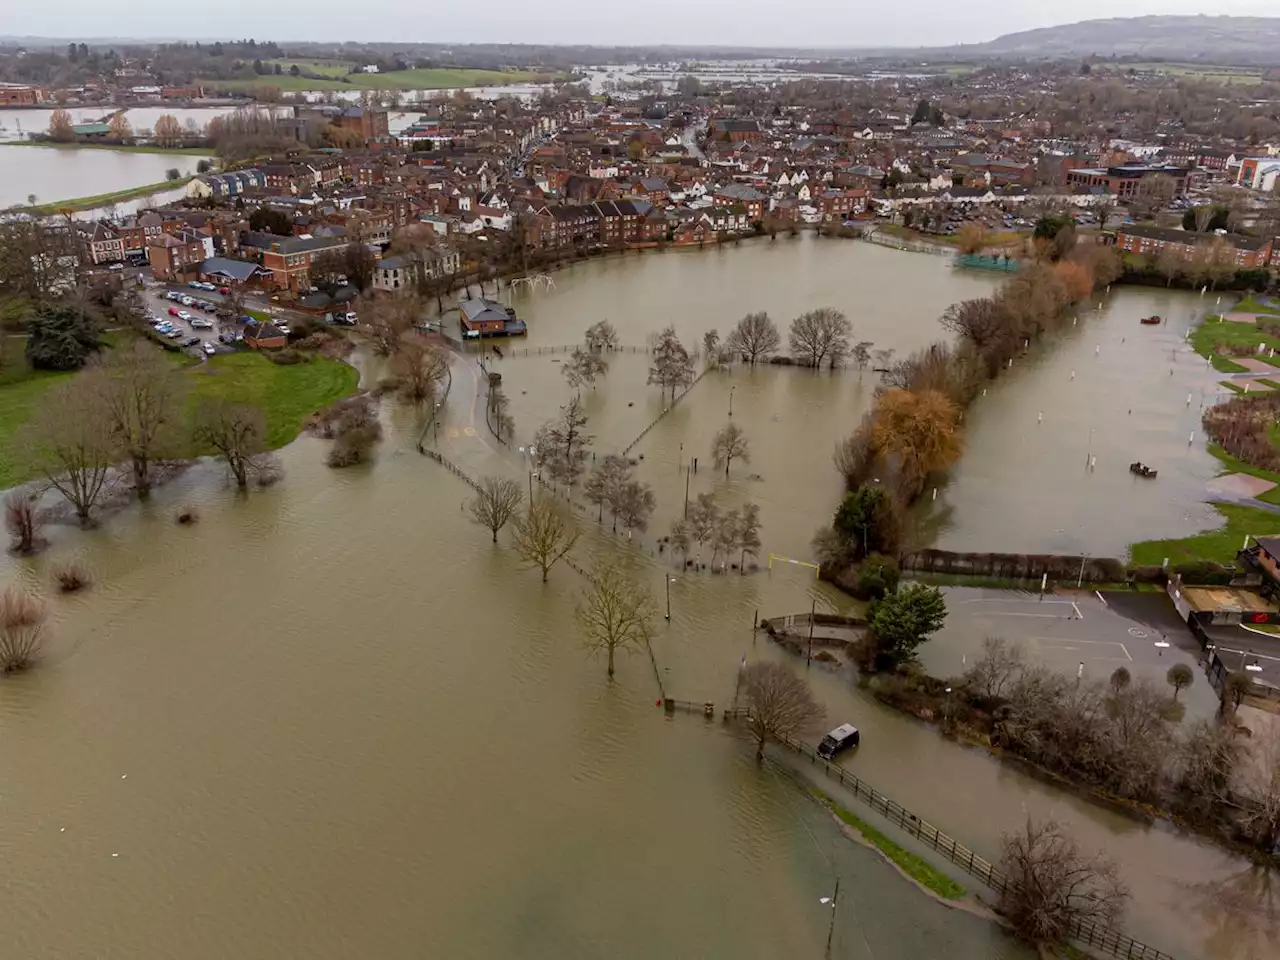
332	719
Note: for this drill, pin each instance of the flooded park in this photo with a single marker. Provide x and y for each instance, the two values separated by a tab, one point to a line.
333	719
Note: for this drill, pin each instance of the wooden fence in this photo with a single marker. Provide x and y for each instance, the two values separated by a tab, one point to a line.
1095	935
630	446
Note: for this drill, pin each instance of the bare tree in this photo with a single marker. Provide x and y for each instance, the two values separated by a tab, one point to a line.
725	538
1261	784
497	411
703	520
671	367
1104	208
1208	758
711	347
819	336
23	521
748	534
237	431
71	443
495	503
728	445
780	704
355	429
1120	680
755	338
142	395
632	506
419	366
543	535
1000	664
584	366
563	444
601	337
384	320
604	482
1053	886
22	629
614	614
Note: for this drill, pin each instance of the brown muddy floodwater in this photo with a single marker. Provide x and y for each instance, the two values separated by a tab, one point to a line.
332	720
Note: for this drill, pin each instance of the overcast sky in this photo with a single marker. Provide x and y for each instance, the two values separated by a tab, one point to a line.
742	22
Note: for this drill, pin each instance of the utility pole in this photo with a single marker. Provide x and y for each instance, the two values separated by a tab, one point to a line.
831	928
666	576
687	473
812	613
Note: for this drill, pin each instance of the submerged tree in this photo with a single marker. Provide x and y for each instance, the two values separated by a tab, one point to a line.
820	336
730	444
144	399
71	443
237	431
755	338
614	614
671	367
562	445
780	704
543	535
1053	886
496	502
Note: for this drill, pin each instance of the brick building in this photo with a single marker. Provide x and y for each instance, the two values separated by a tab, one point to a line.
1247	253
1125	181
369	124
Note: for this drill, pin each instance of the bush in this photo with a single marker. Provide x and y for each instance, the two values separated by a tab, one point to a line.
877	575
72	575
22	629
355	431
289	356
61	338
1204	572
23	521
187	516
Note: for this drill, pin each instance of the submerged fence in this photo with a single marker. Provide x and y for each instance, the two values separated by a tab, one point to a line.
643	433
1095	935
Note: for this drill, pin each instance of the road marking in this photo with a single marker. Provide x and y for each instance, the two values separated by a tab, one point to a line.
1079	615
1067	643
469	431
1137	632
1102	598
1249	653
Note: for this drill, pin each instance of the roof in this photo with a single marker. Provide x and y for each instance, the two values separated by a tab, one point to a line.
1269	544
90	128
1189	237
842	731
232	269
480	310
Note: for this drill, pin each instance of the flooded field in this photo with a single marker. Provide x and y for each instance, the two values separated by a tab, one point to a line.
333	719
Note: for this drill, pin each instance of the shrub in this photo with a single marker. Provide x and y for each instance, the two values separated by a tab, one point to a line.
22	629
187	516
23	521
72	575
288	356
354	432
877	575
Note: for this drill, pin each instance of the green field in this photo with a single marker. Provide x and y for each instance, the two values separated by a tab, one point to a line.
433	79
286	394
1213	333
1220	545
1194	71
328	68
103	199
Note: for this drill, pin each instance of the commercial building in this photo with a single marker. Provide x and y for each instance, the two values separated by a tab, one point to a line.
1125	181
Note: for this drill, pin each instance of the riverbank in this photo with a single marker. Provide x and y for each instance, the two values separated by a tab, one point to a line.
286	394
105	199
205	152
423	79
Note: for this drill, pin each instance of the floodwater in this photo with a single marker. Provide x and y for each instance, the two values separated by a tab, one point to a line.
19	124
332	719
53	174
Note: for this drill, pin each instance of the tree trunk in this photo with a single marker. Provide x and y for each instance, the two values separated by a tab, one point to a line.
759	749
495	537
611	662
141	478
544	574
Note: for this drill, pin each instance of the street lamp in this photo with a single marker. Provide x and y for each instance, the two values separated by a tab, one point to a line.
670	580
731	389
436	423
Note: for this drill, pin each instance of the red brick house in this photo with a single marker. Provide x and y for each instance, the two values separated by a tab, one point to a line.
1247	253
369	124
176	257
264	336
734	130
137	232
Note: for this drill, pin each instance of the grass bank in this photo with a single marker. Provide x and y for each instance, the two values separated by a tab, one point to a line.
103	199
203	152
286	394
1254	305
1219	545
427	79
1214	333
1232	465
917	868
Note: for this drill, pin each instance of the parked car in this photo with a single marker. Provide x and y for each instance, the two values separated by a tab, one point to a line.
195	285
841	738
210	349
191	342
283	328
183	315
173	311
225	291
202	323
351	317
174	334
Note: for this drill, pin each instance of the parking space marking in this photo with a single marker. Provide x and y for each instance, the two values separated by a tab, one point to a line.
1248	653
1070	643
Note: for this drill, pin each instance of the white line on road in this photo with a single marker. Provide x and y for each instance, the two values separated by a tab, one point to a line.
1250	653
1102	598
1066	643
1079	615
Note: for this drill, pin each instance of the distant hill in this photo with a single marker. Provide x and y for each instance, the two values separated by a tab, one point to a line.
1251	40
